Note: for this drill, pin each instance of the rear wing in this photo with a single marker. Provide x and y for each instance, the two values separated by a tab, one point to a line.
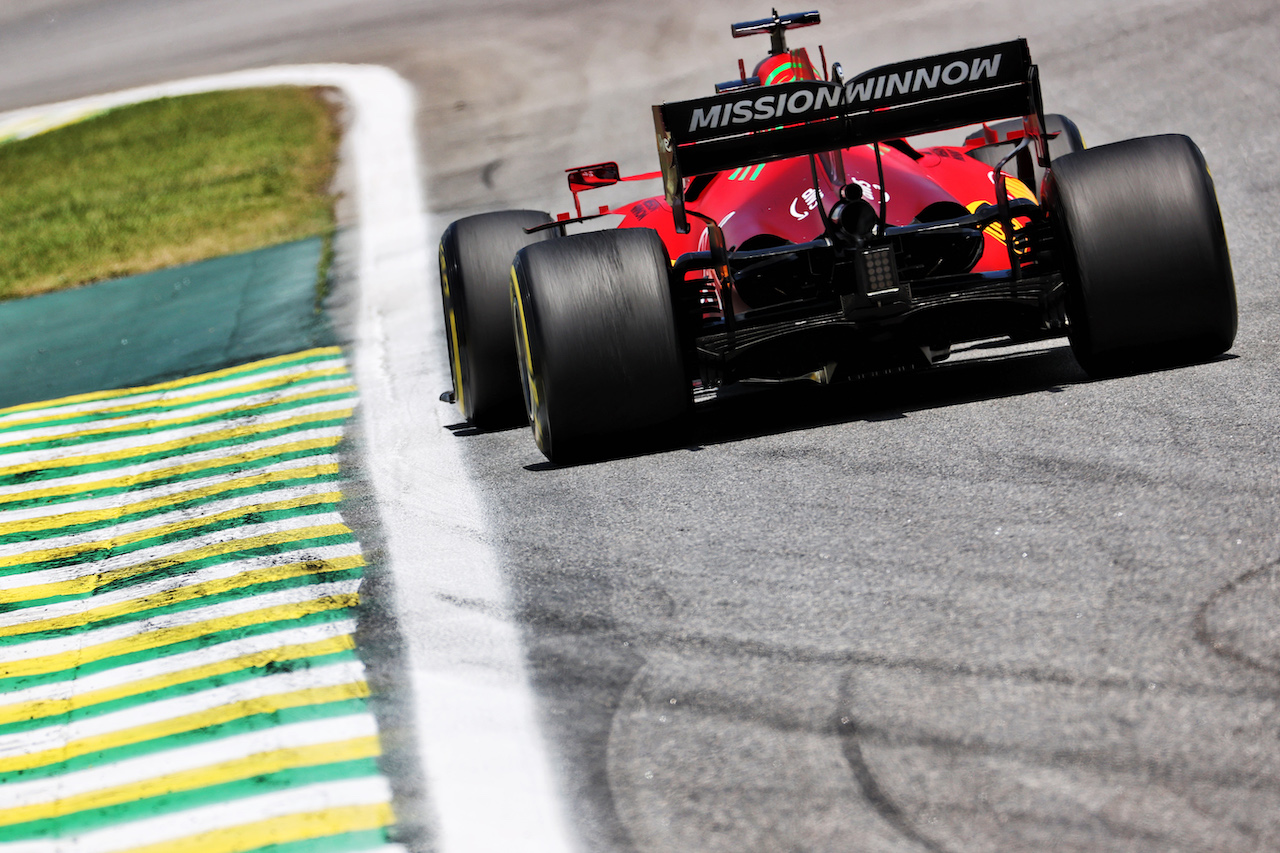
761	124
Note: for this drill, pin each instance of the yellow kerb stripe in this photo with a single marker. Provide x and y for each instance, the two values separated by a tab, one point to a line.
241	411
178	445
186	382
70	519
202	777
95	580
168	636
41	708
137	480
280	830
185	400
188	723
183	593
166	530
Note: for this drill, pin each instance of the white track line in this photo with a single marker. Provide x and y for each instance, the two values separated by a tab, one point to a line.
484	758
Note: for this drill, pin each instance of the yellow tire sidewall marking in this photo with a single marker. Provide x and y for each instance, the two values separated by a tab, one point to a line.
532	384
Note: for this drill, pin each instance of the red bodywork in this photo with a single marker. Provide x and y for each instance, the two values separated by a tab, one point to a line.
775	202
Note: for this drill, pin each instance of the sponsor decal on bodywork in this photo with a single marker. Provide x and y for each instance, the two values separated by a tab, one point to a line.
1014	188
807	202
641	209
746	173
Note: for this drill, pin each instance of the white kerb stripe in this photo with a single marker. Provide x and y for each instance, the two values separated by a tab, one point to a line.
55	736
105	537
125	471
97	636
153	442
168	550
222	571
226	385
134	770
180	825
147	493
171	664
232	409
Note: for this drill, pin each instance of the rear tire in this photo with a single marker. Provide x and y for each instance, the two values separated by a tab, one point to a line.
601	361
475	282
1144	253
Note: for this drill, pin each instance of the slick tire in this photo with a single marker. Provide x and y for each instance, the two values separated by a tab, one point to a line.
475	283
601	361
1144	255
1068	141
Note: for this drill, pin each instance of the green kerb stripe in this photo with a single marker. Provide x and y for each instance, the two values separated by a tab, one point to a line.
140	485
37	475
164	405
86	821
118	514
195	603
240	726
306	555
184	689
348	842
251	515
265	489
229	417
174	568
245	370
203	642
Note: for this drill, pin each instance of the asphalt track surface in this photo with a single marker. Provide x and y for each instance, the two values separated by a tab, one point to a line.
993	607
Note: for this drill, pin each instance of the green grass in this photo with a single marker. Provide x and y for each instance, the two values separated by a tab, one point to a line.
163	183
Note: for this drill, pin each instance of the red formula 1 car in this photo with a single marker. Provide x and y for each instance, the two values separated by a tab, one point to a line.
802	237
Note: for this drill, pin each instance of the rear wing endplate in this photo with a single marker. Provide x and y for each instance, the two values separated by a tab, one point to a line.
757	125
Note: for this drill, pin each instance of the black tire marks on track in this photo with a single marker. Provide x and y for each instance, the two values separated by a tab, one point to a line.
1237	596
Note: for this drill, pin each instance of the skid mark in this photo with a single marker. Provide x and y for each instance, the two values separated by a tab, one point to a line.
1238	621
